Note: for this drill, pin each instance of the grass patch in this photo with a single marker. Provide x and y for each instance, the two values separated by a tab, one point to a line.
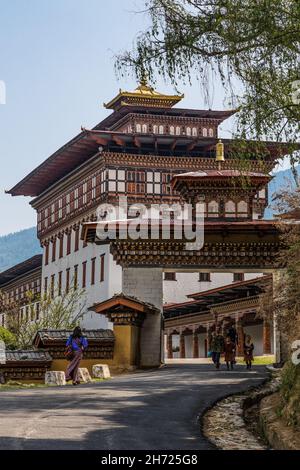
258	360
98	380
12	385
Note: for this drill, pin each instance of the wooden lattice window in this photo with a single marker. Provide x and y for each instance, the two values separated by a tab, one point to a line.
204	277
242	209
212	209
170	276
238	277
230	209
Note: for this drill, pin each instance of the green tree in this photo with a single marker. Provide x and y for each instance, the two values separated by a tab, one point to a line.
255	43
8	338
56	311
284	302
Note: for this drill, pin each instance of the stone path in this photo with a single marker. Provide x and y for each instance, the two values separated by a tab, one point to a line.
148	410
225	427
224	424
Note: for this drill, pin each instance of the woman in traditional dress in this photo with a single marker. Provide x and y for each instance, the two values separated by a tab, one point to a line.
248	351
76	344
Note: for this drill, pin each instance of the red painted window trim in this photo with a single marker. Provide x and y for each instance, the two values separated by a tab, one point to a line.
102	265
93	266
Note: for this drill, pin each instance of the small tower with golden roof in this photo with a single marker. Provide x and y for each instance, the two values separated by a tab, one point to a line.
144	95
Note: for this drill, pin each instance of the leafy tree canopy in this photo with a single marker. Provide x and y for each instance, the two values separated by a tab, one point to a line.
56	311
256	42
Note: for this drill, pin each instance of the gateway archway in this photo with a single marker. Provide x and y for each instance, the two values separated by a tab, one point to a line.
188	325
248	246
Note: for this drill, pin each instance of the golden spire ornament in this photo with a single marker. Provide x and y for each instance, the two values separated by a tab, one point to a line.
220	151
220	154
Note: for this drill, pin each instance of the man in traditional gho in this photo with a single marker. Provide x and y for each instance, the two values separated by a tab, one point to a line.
217	347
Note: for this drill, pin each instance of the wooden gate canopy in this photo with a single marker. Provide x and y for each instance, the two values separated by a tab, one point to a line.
125	310
246	245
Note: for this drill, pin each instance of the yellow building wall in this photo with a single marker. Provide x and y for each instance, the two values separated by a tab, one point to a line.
126	351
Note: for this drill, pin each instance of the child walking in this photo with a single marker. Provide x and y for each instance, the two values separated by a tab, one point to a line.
248	351
229	350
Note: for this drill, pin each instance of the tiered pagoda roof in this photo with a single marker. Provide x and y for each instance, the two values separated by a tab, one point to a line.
110	121
144	100
143	95
86	145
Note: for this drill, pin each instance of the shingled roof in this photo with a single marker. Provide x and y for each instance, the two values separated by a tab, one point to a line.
124	300
43	337
28	356
20	269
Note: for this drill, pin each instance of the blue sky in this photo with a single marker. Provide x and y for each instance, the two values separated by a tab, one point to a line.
56	59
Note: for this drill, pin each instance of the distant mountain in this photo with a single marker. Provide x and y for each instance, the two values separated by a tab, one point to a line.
17	247
282	179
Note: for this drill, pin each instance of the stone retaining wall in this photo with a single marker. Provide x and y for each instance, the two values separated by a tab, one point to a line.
280	436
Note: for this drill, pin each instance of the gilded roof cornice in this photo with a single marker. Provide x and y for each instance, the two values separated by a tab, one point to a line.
143	95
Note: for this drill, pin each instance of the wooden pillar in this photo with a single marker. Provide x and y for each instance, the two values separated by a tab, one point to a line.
182	346
240	333
222	327
266	337
205	347
170	346
281	345
195	345
208	340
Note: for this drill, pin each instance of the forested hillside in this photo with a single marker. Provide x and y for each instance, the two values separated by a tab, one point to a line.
17	247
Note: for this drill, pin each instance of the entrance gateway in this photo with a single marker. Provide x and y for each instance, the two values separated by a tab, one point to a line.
230	244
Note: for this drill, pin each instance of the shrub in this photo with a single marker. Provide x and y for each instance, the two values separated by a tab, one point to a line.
8	338
290	393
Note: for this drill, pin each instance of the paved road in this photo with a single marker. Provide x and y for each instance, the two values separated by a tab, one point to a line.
147	410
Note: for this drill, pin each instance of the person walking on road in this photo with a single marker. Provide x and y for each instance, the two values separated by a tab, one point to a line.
217	347
75	345
248	351
229	350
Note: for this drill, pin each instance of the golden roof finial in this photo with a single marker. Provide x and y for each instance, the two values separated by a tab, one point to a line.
144	95
220	151
220	154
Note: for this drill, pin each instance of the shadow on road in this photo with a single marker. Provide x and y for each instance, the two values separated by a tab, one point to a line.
149	410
